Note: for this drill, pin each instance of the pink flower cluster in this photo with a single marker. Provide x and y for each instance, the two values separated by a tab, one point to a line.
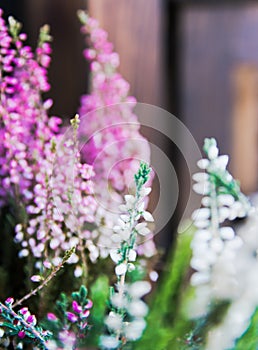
110	132
25	128
76	326
40	167
110	129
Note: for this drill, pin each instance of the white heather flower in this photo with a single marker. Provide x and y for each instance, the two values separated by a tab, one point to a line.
201	214
154	276
217	245
227	233
202	188
36	278
121	269
114	321
200	278
109	342
221	162
138	308
206	201
134	329
132	255
142	229
115	256
200	177
224	213
202	223
125	217
139	289
148	216
213	152
118	301
203	163
23	253
145	191
78	271
225	199
203	235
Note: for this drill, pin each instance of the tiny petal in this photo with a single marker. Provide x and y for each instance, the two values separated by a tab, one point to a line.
31	319
201	214
21	334
1	332
132	255
71	317
89	304
226	199
9	301
213	152
203	163
199	278
227	233
76	307
145	191
200	177
221	162
51	317
36	278
148	216
202	188
78	271
115	255
121	269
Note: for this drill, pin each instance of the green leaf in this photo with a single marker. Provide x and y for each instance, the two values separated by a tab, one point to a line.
165	311
99	295
249	340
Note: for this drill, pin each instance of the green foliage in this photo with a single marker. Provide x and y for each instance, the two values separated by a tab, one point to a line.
143	175
249	340
166	323
99	296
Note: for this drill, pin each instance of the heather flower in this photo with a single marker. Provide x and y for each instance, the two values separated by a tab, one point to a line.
109	132
126	321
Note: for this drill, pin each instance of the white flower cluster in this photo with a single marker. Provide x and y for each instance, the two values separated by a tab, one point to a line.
129	301
215	247
125	321
245	302
128	228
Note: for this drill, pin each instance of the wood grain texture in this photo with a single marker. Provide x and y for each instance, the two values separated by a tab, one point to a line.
68	70
245	126
135	28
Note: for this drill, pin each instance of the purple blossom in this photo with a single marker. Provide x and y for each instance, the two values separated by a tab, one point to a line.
71	317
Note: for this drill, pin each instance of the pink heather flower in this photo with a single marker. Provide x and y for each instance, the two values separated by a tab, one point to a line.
68	339
76	307
51	317
31	319
109	129
9	301
36	278
21	334
89	304
71	317
33	159
85	314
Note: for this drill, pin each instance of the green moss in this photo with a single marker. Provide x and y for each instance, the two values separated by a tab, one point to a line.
166	323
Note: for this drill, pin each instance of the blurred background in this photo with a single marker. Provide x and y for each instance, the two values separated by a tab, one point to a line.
196	59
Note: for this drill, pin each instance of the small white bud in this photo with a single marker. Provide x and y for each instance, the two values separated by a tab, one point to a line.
148	216
213	152
227	233
203	163
121	269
